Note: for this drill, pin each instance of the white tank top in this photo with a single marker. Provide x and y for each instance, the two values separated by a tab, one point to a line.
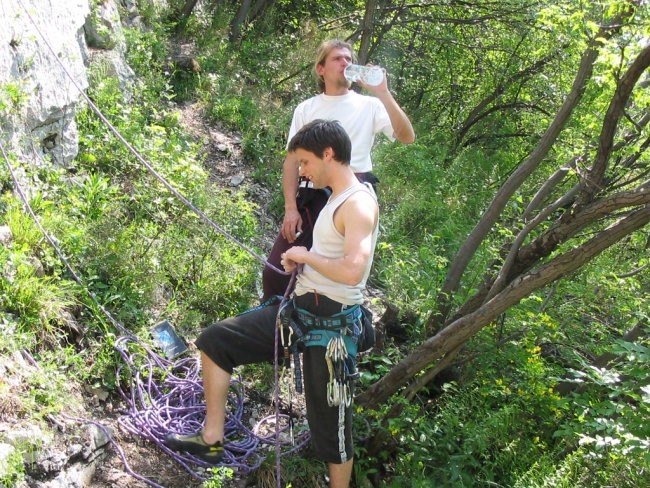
328	242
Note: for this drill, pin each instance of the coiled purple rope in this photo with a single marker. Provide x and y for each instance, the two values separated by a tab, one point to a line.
167	396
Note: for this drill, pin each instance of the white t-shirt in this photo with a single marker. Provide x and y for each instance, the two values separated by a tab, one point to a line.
362	117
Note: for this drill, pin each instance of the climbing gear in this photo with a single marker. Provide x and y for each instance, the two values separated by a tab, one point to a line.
194	444
159	390
318	331
342	335
354	323
342	372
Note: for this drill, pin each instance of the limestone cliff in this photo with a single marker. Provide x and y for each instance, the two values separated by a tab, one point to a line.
46	48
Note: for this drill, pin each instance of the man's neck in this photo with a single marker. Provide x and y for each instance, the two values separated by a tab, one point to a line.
343	180
336	91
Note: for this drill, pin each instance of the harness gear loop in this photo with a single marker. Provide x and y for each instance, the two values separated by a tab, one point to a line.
287	332
338	334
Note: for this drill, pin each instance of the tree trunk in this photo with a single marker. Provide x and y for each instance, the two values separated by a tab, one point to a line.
492	214
367	27
186	11
238	20
184	14
247	13
462	329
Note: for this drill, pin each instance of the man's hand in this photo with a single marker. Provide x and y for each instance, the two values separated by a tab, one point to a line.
291	225
376	89
294	257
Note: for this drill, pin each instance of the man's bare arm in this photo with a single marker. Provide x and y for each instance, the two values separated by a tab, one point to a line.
402	127
292	221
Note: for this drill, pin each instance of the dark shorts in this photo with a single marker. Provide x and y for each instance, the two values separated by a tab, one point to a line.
249	338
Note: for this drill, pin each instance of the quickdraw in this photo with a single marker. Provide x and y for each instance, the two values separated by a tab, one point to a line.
338	334
338	388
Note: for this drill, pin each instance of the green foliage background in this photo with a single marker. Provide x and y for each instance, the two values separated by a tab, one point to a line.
497	421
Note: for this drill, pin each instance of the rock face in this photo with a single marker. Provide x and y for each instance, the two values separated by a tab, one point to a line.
42	57
107	44
46	49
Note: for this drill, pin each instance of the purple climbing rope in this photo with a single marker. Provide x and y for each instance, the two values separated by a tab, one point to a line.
167	396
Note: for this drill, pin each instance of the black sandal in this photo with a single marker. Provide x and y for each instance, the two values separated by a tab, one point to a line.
194	444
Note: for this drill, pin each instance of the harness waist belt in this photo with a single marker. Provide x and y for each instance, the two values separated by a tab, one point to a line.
334	322
338	334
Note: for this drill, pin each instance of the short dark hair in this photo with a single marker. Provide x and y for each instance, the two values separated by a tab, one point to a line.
318	135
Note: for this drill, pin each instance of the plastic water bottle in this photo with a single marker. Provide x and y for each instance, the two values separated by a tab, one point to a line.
371	75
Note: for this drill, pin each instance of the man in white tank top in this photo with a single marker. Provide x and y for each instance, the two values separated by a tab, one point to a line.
331	277
362	117
345	235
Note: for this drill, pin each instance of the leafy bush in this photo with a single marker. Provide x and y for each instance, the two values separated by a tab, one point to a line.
38	300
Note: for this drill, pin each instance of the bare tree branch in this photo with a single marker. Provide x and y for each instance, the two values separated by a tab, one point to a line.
594	180
578	220
499	202
633	272
530	255
490	216
554	180
461	330
481	110
502	277
422	380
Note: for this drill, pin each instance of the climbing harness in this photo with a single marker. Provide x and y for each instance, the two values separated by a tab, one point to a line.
339	334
